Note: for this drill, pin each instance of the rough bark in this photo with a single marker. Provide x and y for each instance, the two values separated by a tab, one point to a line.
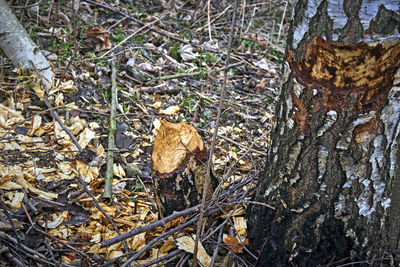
332	169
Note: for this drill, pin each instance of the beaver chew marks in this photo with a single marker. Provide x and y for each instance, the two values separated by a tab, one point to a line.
179	159
346	77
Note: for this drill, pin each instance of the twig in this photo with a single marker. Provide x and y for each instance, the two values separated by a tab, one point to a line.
166	257
180	75
154	29
206	184
53	113
238	144
158	238
33	225
252	202
75	34
283	18
150	226
176	214
27	249
208	19
97	205
130	36
113	124
214	19
4	207
243	15
229	217
217	246
182	262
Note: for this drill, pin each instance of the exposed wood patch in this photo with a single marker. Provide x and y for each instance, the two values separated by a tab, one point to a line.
343	77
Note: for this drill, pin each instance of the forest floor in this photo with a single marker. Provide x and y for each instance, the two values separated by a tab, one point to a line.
170	59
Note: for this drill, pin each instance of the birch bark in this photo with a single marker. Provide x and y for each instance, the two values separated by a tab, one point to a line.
332	169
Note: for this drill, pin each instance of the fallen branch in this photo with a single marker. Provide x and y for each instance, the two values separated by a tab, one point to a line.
34	226
111	135
53	112
202	72
214	138
156	29
162	222
149	227
97	205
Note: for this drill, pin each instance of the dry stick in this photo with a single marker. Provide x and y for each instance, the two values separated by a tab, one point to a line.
217	246
33	225
130	36
243	14
154	29
163	236
214	19
228	216
251	19
97	205
4	207
205	188
166	257
283	17
171	217
53	113
75	34
113	125
158	238
208	19
180	75
45	111
150	226
27	249
240	145
230	170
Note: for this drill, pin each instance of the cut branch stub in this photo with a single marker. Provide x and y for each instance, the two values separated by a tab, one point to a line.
179	167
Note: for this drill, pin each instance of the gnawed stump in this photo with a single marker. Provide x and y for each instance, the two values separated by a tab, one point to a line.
179	167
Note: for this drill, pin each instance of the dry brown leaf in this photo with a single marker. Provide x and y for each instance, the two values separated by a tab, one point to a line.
234	244
100	37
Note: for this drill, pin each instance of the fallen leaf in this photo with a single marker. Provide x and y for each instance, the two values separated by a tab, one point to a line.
170	110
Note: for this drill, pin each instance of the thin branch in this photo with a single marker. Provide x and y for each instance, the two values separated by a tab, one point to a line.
111	135
221	230
33	225
163	258
281	25
221	100
53	113
97	205
180	75
176	214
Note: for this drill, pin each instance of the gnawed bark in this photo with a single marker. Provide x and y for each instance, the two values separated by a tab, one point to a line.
331	168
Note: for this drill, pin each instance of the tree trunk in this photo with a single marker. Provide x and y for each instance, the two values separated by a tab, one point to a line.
332	170
19	47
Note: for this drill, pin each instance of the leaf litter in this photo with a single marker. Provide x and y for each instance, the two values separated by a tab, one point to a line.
168	68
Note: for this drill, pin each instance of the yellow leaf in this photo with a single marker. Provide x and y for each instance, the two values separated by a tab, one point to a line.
170	110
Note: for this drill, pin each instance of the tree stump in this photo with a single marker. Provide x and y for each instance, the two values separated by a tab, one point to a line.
179	167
